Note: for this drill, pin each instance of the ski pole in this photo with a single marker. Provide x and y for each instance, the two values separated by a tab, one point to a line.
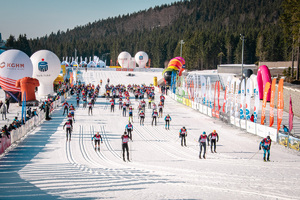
254	155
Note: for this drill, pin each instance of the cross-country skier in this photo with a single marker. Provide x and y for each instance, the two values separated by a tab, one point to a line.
124	109
90	105
69	129
66	107
167	120
97	138
130	112
183	135
129	129
213	138
125	140
112	105
160	109
142	117
154	117
266	145
202	140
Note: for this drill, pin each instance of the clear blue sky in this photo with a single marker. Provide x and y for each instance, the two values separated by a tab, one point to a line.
36	18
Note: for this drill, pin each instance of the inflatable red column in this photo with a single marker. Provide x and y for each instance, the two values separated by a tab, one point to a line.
28	85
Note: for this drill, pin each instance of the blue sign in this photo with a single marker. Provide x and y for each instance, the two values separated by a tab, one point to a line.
43	66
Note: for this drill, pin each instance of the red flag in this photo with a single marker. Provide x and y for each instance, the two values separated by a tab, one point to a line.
291	115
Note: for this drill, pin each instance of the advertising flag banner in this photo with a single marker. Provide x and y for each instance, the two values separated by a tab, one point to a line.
232	98
257	101
280	104
218	106
208	96
227	88
242	116
263	110
272	100
214	105
248	99
237	92
203	89
291	115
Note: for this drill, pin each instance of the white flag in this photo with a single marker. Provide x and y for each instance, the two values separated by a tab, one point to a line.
257	101
248	98
237	92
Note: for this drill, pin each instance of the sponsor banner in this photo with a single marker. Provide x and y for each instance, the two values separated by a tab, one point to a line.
243	124
189	102
179	99
264	131
200	108
184	101
237	121
272	132
209	111
232	120
251	127
204	108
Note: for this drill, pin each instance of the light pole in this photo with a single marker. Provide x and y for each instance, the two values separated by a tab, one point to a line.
181	43
243	39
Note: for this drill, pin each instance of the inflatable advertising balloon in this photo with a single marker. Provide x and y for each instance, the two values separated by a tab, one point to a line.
176	65
14	65
124	59
46	67
141	58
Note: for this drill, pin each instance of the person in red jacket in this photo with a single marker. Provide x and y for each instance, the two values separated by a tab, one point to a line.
252	118
112	105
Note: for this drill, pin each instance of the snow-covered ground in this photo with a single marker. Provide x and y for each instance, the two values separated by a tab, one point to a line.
45	166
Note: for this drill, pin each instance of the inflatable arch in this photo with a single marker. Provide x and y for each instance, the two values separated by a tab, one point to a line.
263	76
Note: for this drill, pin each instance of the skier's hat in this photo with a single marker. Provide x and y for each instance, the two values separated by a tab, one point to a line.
204	133
125	132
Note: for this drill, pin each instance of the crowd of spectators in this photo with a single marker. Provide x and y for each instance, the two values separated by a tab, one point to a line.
46	106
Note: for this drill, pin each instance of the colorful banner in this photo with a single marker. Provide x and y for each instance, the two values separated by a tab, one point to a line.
242	116
263	110
257	101
231	99
272	100
248	99
291	115
203	89
218	106
208	96
214	105
236	93
227	89
280	104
